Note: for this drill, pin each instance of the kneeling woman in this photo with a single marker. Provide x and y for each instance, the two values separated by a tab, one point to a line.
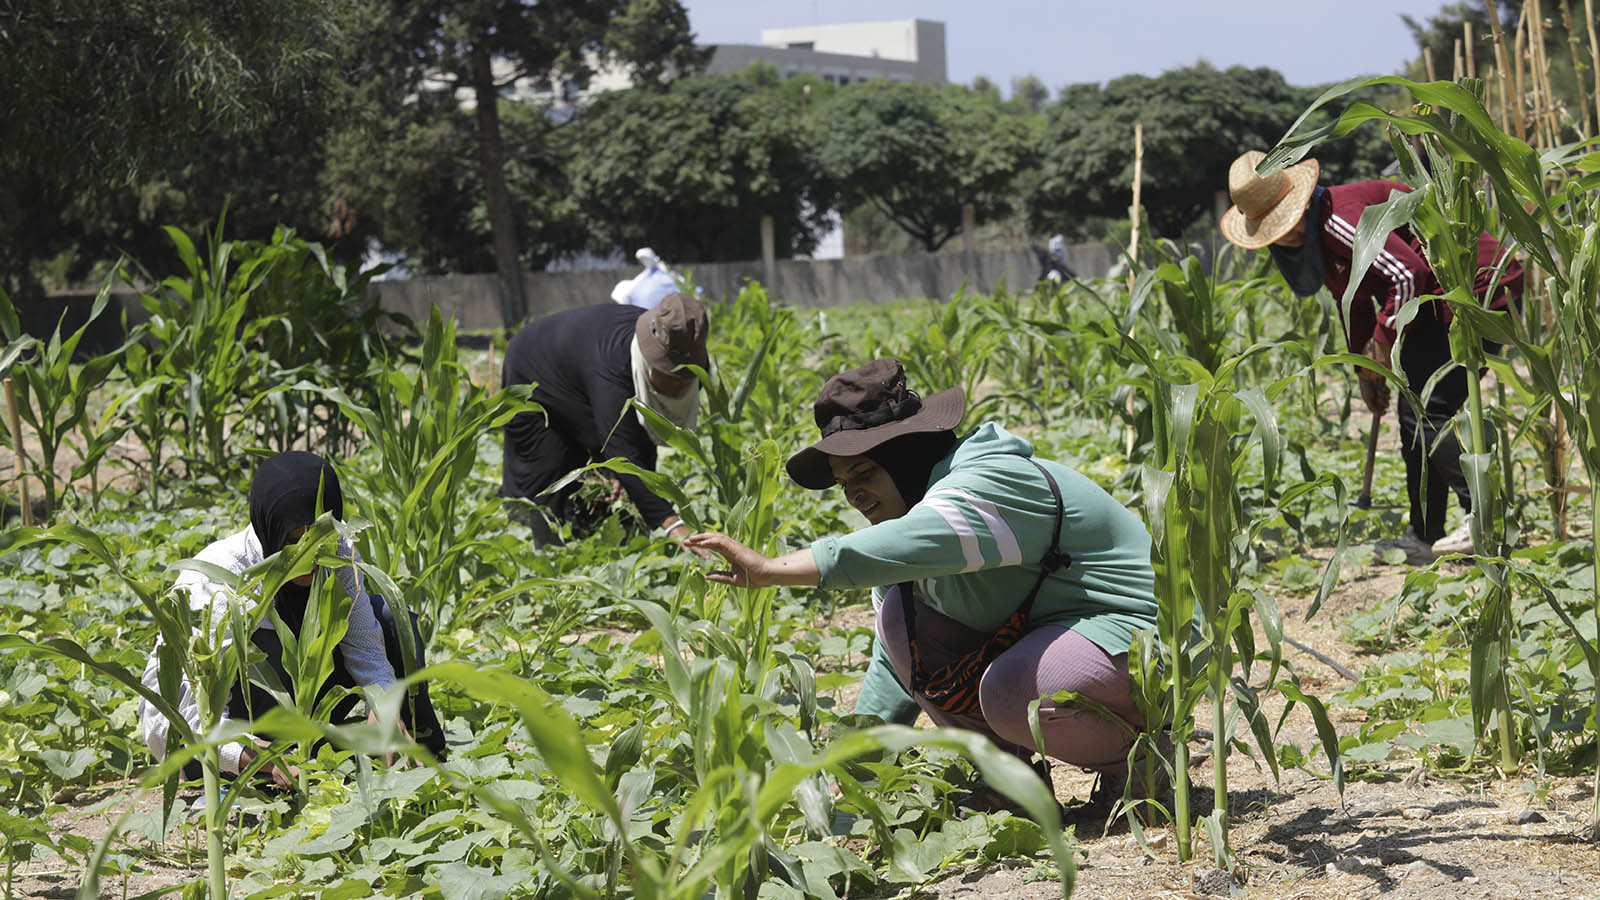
283	504
1007	578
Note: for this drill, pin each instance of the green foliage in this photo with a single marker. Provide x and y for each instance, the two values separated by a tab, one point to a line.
1550	214
917	154
620	727
105	99
1196	121
691	168
425	431
53	396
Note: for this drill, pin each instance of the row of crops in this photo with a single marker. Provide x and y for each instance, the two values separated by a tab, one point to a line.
621	727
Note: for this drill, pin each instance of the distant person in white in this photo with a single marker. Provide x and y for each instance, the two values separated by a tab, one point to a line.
648	287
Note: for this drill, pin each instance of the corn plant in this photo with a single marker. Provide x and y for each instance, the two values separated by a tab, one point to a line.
53	394
956	349
190	651
204	346
425	429
333	332
1555	230
1205	424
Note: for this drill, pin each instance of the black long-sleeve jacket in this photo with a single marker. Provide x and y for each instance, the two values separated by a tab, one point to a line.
578	361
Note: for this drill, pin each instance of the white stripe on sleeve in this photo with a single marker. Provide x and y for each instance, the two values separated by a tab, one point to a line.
963	529
1399	273
1005	540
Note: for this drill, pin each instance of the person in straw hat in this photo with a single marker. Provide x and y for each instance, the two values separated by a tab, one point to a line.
999	578
1310	231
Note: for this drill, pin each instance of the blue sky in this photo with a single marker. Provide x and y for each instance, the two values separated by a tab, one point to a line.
1071	41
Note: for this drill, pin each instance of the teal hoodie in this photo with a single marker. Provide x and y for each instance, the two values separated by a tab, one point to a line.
973	543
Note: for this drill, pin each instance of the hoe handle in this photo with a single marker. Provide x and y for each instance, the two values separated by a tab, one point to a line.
1364	501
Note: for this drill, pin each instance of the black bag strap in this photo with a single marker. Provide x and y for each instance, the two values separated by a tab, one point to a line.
1053	560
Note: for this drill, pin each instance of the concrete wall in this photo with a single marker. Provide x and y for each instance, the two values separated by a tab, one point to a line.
473	299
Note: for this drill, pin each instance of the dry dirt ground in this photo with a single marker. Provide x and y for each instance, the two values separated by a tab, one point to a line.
1408	835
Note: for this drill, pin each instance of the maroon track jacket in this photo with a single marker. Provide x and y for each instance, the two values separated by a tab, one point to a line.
1400	271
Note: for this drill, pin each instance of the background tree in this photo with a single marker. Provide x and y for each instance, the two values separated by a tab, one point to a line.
480	47
690	170
1028	93
1196	121
109	108
917	153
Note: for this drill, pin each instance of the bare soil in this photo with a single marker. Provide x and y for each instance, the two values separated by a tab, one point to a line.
143	866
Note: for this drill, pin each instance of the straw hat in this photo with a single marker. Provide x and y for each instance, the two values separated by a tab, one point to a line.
1265	208
862	408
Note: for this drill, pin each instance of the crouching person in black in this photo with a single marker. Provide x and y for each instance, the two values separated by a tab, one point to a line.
586	364
283	504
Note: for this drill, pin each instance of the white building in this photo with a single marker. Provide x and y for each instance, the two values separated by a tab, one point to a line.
900	50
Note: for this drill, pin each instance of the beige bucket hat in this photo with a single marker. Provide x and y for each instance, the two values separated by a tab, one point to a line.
1266	208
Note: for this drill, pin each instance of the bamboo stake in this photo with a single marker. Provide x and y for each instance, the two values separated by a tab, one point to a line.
1541	62
1508	74
1541	129
1594	56
1427	63
1577	69
1133	246
1466	40
1133	212
1502	80
16	442
1458	66
1519	84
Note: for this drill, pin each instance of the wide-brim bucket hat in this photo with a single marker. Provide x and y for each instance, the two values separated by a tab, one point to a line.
1265	209
860	409
673	333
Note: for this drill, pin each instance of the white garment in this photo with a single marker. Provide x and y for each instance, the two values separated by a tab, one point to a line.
362	645
649	289
682	410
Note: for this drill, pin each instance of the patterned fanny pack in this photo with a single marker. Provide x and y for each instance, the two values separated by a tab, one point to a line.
953	687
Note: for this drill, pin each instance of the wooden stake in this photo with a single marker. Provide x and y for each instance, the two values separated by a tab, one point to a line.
493	381
1508	74
1427	63
1594	56
1133	248
1551	110
1133	212
16	443
1466	41
1519	82
1577	69
1540	129
1458	66
1502	80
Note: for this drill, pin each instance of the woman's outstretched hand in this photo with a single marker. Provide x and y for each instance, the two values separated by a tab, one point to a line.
750	568
744	564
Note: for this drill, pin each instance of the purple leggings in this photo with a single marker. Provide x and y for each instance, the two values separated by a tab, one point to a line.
1047	659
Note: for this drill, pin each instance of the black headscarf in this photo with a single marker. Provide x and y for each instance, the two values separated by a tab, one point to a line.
1303	266
283	497
909	459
